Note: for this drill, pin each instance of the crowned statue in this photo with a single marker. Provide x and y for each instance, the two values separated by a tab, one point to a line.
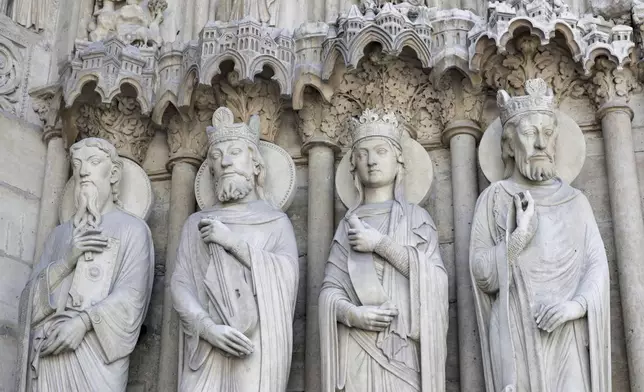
236	275
383	303
89	293
538	264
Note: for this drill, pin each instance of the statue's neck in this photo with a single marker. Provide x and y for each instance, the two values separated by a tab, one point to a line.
108	206
250	197
378	195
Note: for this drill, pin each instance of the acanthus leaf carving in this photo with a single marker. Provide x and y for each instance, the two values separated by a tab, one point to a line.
611	82
527	59
121	123
246	99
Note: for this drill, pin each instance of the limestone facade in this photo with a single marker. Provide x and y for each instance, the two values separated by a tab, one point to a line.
151	78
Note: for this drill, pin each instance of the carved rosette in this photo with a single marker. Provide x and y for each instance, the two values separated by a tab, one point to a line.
121	123
10	75
262	97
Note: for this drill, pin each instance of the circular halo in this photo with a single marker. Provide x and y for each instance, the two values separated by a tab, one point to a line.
570	152
280	178
419	173
135	192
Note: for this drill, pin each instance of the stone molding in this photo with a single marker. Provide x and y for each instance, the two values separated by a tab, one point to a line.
461	127
256	68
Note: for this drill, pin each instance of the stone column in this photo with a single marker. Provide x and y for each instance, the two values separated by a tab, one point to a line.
613	87
628	227
187	142
321	228
56	175
462	136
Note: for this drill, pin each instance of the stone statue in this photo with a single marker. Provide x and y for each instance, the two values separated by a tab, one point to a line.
264	11
383	303
538	264
31	14
89	293
130	23
236	275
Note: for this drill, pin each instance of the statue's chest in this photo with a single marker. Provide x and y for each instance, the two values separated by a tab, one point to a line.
93	278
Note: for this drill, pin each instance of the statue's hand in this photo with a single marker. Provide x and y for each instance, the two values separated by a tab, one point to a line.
371	318
548	318
213	231
229	340
67	336
365	238
527	216
88	241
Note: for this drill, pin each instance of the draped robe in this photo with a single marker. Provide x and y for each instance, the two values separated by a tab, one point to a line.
565	260
273	278
410	354
101	361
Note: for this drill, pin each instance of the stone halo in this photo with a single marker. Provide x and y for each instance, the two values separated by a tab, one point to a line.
419	173
135	192
280	178
569	156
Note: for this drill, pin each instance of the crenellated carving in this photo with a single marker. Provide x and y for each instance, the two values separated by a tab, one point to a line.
121	122
246	99
110	64
586	38
251	46
612	83
526	59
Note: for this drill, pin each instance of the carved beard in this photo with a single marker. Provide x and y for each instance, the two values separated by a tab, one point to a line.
536	169
87	213
233	186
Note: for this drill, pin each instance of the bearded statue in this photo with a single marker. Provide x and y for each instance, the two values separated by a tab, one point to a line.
89	293
538	264
236	275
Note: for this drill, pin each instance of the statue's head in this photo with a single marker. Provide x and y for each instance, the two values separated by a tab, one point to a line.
234	159
529	138
376	153
97	172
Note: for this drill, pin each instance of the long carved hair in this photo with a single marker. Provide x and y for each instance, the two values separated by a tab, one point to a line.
399	189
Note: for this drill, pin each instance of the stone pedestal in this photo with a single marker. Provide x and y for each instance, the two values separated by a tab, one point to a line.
182	205
628	226
462	136
56	175
320	234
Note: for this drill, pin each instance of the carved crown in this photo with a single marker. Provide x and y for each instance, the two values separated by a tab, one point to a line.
539	99
373	123
224	128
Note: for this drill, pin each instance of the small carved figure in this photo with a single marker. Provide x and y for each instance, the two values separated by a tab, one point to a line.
90	291
236	276
131	23
383	304
538	264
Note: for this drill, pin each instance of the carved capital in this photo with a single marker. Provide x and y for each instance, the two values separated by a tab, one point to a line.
262	97
459	100
47	103
526	59
612	83
316	125
119	122
461	127
187	140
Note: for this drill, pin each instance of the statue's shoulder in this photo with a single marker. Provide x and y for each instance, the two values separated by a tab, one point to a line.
420	214
132	221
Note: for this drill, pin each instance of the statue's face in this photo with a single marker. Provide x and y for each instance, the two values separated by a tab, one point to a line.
233	169
94	173
534	145
375	162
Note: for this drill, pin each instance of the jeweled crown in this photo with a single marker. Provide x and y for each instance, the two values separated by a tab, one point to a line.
539	99
374	123
225	128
